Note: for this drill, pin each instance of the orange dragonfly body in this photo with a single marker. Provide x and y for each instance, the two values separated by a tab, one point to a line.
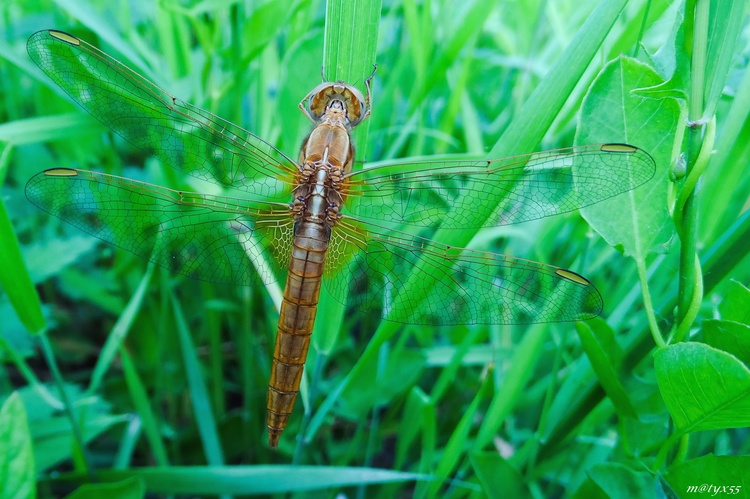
312	239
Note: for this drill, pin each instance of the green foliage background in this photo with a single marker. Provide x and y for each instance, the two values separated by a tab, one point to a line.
165	378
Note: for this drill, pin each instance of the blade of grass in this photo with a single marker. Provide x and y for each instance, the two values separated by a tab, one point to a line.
143	408
119	331
15	279
256	479
204	417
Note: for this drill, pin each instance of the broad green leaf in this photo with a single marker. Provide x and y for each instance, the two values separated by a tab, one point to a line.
619	482
130	488
636	222
17	469
671	62
497	476
729	336
735	305
704	388
727	475
597	339
15	280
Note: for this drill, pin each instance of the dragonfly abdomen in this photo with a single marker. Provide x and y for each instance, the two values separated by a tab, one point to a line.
296	320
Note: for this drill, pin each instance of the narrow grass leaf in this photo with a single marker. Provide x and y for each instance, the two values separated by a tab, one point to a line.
130	488
727	166
417	402
256	479
725	25
142	405
497	476
48	128
458	444
204	417
120	331
351	38
597	340
505	397
15	279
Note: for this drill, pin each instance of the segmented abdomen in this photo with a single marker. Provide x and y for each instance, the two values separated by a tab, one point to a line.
295	323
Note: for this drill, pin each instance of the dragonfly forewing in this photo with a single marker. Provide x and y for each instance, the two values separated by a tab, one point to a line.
482	193
184	136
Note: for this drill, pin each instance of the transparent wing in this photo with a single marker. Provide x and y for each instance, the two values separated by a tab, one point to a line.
455	286
184	136
459	194
211	238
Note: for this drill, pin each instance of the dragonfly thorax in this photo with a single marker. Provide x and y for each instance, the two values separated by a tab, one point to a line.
318	200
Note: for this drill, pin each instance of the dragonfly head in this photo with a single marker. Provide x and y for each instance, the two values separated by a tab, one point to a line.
334	99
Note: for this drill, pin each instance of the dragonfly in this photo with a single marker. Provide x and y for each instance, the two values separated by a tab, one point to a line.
363	235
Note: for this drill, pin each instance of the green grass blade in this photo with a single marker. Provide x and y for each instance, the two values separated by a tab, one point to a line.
351	37
120	331
198	393
15	279
142	406
47	128
256	479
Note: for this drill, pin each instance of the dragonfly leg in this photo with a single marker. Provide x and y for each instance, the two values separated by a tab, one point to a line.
368	94
306	111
